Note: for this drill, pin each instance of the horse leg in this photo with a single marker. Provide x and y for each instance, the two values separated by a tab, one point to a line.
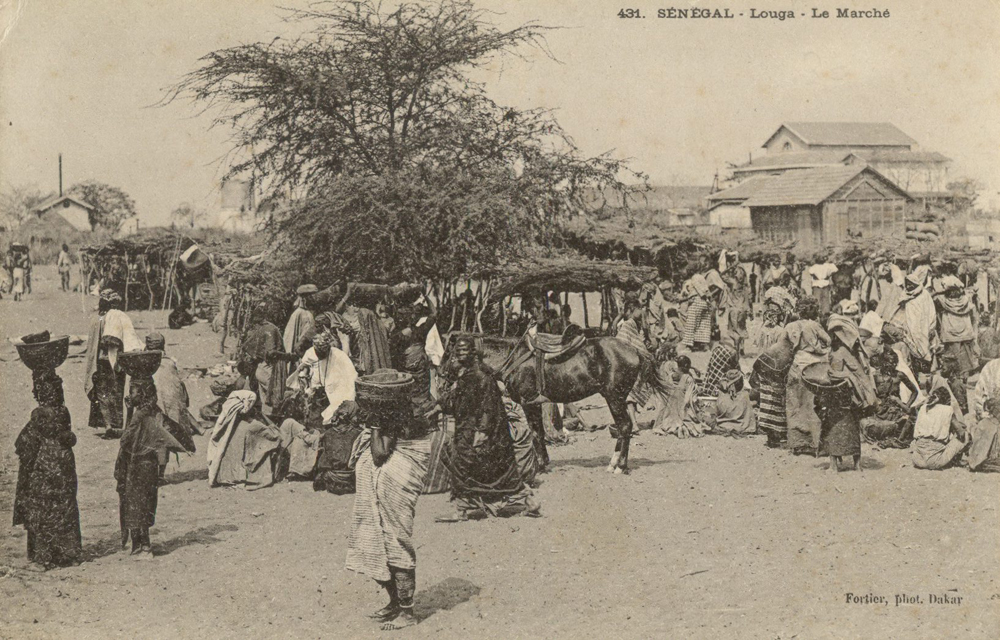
619	461
533	413
613	462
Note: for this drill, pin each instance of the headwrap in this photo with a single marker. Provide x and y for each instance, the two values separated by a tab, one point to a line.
715	280
47	387
110	295
306	289
919	279
155	342
346	413
950	282
844	328
849	308
781	297
333	321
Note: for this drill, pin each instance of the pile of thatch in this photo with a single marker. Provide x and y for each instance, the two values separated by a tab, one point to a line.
643	241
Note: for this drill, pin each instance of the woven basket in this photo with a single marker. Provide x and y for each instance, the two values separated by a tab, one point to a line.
816	377
43	355
385	391
140	364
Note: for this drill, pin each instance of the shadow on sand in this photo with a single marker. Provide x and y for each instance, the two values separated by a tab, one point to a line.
443	596
204	535
186	476
602	461
867	464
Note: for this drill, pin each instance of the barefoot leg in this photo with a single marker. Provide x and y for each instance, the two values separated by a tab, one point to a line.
833	464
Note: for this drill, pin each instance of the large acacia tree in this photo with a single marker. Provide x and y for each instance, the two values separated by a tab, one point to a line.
383	160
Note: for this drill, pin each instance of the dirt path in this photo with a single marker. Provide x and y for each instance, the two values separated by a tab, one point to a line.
708	538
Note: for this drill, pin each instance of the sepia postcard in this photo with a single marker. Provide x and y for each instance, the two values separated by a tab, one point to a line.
500	319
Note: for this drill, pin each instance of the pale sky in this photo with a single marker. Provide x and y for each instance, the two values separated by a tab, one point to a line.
680	97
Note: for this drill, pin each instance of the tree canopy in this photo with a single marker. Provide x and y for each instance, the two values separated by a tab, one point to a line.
382	158
111	204
17	202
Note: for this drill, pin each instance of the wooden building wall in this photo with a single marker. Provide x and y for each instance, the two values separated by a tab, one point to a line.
864	207
802	224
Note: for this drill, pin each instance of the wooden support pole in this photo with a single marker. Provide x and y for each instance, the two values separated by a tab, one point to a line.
586	312
503	311
128	279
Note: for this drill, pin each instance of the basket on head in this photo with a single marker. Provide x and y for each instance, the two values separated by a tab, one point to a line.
140	364
39	352
816	377
386	390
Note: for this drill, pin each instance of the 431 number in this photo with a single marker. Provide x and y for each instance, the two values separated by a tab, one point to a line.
629	13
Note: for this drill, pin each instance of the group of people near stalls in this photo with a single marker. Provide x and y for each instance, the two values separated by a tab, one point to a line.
294	411
840	355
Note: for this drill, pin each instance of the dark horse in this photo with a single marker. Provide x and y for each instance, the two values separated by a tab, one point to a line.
605	366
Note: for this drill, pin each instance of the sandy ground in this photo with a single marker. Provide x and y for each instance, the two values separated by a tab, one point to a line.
708	538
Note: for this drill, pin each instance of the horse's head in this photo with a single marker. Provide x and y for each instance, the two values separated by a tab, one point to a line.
493	351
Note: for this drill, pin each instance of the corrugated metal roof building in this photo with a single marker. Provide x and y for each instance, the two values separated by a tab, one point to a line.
820	206
880	145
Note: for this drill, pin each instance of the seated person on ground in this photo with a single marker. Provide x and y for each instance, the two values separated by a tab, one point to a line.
334	472
938	435
984	453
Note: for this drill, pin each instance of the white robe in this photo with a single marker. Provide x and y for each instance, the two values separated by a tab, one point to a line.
335	374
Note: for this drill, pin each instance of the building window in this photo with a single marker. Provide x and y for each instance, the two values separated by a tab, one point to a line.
787	146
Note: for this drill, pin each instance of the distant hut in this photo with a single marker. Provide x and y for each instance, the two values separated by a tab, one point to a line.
57	220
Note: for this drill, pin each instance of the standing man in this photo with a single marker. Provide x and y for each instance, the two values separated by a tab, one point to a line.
370	351
64	263
111	333
262	357
301	323
958	320
918	317
484	470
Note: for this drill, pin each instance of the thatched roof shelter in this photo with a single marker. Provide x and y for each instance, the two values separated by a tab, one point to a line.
568	274
145	265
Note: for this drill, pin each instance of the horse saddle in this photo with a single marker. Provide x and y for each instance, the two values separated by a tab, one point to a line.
552	348
558	347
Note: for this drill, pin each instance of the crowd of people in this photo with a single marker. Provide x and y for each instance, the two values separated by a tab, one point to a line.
840	355
885	356
292	411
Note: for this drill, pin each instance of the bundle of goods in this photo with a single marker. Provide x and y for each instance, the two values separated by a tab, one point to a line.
923	231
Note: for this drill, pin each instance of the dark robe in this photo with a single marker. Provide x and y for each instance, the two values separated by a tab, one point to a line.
333	470
481	456
144	445
417	364
45	498
261	341
370	350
